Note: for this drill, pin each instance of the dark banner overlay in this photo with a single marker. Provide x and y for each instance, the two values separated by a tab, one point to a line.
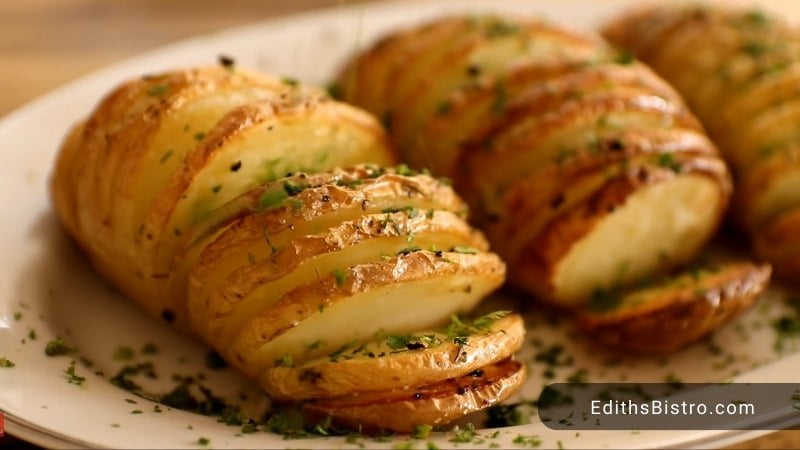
670	406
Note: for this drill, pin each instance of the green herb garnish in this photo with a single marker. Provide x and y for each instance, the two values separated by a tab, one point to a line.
157	89
122	353
340	275
527	441
464	435
5	362
284	361
421	431
72	377
57	347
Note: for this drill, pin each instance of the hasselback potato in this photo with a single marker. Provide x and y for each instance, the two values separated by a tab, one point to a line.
741	77
586	170
213	197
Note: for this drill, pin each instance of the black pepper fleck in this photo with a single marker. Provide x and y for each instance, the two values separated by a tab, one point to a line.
168	316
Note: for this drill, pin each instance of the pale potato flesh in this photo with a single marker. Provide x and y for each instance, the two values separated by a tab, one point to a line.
630	244
306	138
745	90
257	237
253	288
400	295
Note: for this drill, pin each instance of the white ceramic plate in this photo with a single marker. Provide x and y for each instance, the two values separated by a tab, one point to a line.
47	289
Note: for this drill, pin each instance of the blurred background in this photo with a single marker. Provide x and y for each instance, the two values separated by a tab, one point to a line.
46	43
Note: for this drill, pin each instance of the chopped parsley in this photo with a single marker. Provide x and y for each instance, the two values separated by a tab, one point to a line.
72	377
5	362
497	28
459	328
199	136
17	315
203	441
284	361
410	211
625	57
123	353
668	161
527	441
755	48
464	249
340	275
673	380
421	431
157	89
500	98
405	171
289	81
603	300
57	347
464	435
335	90
149	349
506	416
271	198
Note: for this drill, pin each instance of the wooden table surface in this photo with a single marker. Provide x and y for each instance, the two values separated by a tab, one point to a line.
46	43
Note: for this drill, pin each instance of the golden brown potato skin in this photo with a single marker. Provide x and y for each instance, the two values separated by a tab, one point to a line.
741	77
188	190
114	165
436	404
668	315
367	371
584	168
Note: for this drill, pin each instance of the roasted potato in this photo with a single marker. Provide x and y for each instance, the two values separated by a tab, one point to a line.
585	169
189	191
742	78
435	404
397	361
674	311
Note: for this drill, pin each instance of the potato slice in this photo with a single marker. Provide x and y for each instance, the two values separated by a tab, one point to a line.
253	288
611	240
779	242
511	154
258	143
397	362
768	188
744	70
471	115
528	206
763	92
62	188
437	404
367	80
312	210
493	52
405	293
120	169
676	311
